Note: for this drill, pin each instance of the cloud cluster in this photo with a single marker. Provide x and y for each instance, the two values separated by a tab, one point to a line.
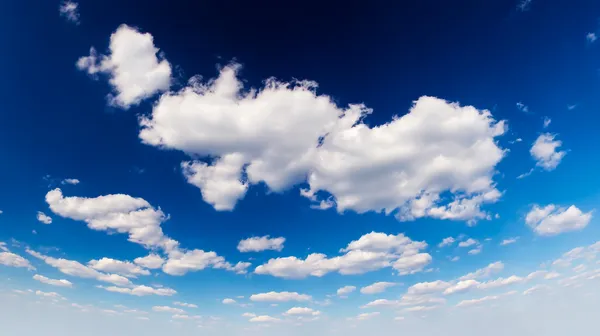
552	220
371	252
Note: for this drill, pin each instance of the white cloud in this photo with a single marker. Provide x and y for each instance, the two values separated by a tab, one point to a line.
186	317
258	244
180	262
461	286
151	261
425	288
476	250
51	295
591	37
367	316
376	288
552	220
124	268
547	122
484	272
509	241
264	319
72	181
183	304
285	134
70	11
167	309
468	242
135	68
74	268
229	301
446	242
522	107
302	311
344	291
455	258
501	282
43	218
3	247
381	303
545	151
14	260
280	297
371	252
53	282
535	288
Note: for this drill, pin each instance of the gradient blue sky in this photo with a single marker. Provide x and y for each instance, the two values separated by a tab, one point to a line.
520	77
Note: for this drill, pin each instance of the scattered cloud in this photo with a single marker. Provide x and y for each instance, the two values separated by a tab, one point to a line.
151	261
167	309
264	319
302	311
124	268
53	282
72	181
552	220
522	107
229	301
183	304
591	37
446	242
14	260
485	272
280	297
547	122
545	151
43	218
70	11
467	243
258	244
378	287
509	241
344	291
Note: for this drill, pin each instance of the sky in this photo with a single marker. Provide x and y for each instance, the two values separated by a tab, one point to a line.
261	168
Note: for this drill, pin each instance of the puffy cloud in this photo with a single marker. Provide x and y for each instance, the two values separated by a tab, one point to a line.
376	288
552	220
302	311
124	268
285	134
53	282
461	286
135	69
167	309
181	262
43	218
484	272
344	291
258	244
70	11
72	181
509	241
14	260
371	252
141	290
468	242
424	288
264	319
151	261
229	301
544	151
76	269
280	297
476	250
183	304
447	242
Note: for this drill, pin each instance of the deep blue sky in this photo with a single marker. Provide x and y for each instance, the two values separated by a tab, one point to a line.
55	123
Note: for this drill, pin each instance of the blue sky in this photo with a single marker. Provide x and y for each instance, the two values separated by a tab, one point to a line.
236	169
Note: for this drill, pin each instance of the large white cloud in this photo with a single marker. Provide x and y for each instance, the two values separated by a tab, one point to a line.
371	252
545	151
135	69
552	220
258	244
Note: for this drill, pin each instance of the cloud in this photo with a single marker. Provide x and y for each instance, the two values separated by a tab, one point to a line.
280	297
524	5
180	262
286	134
378	287
258	244
229	301
167	309
302	311
522	107
51	295
425	288
70	11
72	181
14	260
76	269
135	69
476	250
53	282
547	122
183	304
151	261
43	218
544	151
140	290
124	268
591	37
509	241
344	291
367	316
381	303
552	220
264	319
461	286
446	242
3	247
468	242
485	272
371	252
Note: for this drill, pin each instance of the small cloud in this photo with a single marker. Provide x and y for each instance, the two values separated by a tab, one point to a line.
524	175
547	122
571	107
43	218
591	37
509	241
522	107
72	181
70	11
524	5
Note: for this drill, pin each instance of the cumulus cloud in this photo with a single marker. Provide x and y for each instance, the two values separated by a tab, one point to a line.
545	151
134	66
552	220
70	11
151	261
371	252
446	242
228	301
43	218
53	282
280	297
258	244
14	260
378	287
140	290
344	291
302	311
72	181
366	316
468	242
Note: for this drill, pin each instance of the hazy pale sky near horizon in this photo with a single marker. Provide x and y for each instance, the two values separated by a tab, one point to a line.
267	168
